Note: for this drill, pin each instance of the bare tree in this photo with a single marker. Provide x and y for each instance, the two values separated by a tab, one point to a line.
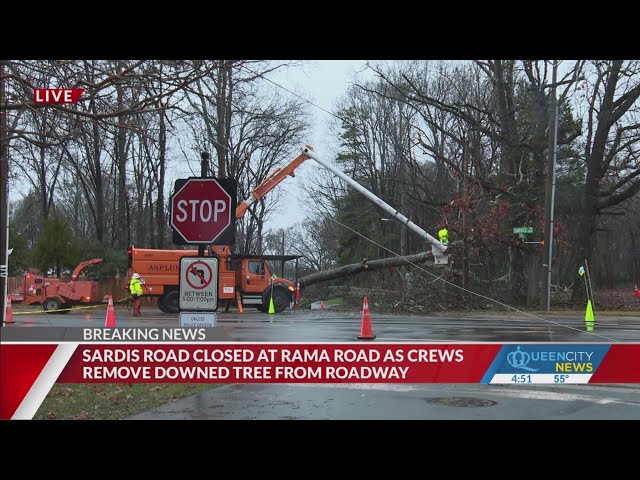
611	146
253	131
489	102
316	239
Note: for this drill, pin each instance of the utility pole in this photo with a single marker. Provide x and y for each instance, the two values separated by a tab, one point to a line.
465	227
4	191
204	172
204	165
550	191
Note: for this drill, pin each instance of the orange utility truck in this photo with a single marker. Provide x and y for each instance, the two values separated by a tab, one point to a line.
246	278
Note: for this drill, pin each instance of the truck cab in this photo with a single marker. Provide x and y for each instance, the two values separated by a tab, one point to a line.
258	285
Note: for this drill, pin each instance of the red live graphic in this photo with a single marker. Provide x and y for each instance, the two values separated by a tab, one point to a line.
57	96
277	363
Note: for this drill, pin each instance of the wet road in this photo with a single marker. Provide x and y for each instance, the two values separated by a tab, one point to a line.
333	326
404	402
392	401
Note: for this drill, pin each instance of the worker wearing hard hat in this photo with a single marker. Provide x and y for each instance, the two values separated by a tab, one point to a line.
443	235
135	288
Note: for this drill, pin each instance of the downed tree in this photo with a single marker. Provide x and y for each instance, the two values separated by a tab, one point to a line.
355	268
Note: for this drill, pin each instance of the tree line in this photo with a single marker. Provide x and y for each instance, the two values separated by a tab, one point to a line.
461	144
465	145
94	177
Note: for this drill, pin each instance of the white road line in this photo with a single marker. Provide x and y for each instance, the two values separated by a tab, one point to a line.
516	393
557	396
422	340
382	387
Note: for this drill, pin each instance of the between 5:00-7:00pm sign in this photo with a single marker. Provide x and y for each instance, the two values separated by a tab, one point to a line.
199	283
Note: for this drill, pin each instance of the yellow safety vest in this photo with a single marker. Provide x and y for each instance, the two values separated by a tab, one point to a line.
134	287
444	235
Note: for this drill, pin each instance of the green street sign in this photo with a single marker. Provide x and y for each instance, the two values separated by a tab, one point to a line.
522	229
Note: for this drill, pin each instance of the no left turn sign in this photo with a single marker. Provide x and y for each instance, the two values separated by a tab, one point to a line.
199	283
199	275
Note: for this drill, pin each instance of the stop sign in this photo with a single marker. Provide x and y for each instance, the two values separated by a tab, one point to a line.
203	210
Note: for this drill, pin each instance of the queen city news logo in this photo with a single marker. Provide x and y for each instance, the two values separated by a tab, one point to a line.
566	359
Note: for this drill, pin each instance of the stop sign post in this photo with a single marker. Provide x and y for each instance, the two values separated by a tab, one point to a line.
203	211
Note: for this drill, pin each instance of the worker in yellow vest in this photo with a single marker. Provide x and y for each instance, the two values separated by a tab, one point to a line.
135	288
443	235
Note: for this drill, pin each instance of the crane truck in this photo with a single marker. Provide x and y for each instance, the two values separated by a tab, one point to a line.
246	278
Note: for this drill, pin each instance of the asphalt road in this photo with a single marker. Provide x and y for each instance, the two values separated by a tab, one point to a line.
404	402
337	326
392	401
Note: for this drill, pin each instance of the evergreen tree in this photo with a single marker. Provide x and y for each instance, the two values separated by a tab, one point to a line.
55	249
20	258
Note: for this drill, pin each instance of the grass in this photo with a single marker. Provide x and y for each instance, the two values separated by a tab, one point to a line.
335	301
97	401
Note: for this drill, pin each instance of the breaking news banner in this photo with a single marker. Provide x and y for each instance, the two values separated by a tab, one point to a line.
30	367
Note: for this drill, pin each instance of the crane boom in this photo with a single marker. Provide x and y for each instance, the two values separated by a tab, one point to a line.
271	182
437	248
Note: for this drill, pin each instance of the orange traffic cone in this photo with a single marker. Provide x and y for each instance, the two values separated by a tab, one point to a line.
365	330
8	312
110	322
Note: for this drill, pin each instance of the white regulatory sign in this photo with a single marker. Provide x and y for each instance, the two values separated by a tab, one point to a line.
198	319
199	283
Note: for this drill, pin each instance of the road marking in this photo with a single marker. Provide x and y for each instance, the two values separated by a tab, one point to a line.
383	387
408	340
499	392
556	396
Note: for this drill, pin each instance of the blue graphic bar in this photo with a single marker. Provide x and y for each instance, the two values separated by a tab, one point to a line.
530	359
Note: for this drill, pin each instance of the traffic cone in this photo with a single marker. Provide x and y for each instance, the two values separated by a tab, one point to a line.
298	292
110	322
589	318
272	308
365	330
8	311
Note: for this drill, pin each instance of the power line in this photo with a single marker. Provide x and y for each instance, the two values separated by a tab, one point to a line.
292	93
436	278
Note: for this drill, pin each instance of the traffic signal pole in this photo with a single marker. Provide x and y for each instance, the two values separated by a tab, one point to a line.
204	171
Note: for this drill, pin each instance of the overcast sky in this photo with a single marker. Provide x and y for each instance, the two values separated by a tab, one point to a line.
324	82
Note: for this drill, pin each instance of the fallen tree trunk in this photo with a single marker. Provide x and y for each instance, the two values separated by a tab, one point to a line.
365	265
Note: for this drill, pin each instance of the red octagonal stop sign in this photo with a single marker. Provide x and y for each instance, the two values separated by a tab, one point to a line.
201	210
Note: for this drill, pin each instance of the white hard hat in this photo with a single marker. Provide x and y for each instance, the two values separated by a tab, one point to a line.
135	275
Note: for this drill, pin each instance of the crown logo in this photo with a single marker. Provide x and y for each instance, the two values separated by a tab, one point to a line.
520	359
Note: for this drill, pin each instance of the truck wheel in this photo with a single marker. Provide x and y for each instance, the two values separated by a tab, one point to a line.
281	299
51	304
162	305
172	301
